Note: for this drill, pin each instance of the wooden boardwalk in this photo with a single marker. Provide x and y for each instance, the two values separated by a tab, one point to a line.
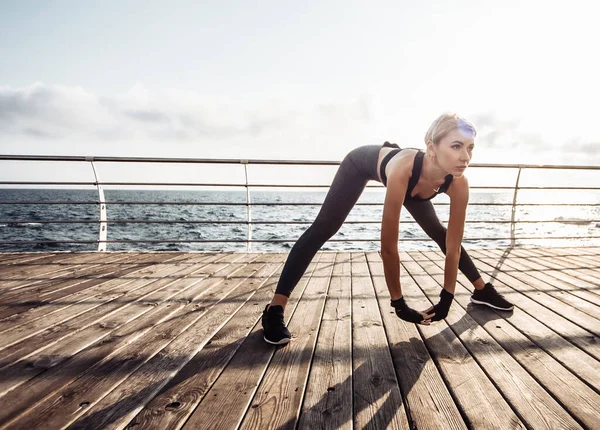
173	340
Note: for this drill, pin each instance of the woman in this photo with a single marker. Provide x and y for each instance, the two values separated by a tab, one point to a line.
412	178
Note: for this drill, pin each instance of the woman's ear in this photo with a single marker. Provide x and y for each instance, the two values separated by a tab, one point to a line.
430	151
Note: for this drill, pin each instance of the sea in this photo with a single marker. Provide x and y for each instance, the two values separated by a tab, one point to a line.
34	220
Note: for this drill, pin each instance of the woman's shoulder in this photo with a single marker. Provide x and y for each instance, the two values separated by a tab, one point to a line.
458	188
405	159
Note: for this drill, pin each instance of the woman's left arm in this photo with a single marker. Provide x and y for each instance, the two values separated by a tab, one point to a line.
459	199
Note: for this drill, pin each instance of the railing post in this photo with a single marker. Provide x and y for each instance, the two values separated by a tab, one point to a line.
514	210
103	225
248	207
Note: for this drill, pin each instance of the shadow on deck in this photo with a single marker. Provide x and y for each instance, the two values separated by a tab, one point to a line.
173	340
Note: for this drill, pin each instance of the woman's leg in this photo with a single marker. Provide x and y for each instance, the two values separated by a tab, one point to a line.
349	182
424	214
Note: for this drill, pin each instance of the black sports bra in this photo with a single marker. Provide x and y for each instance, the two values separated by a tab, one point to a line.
416	172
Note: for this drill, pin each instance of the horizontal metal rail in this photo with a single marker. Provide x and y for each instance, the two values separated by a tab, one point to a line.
16	202
107	159
137	221
229	185
103	222
272	240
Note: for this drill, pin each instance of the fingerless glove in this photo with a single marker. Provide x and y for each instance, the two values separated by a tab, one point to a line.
404	312
443	306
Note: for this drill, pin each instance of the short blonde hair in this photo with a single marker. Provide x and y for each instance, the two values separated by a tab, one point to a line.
444	124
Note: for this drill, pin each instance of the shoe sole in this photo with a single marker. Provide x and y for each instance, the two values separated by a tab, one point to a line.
492	306
281	342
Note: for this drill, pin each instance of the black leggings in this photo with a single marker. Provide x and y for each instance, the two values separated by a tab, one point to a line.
356	169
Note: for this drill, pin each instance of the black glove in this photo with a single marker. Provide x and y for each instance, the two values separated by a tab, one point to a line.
443	306
404	312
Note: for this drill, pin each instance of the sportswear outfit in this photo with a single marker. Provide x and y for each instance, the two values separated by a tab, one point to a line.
355	171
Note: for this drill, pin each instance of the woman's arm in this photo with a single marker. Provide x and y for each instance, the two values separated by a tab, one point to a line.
459	199
394	199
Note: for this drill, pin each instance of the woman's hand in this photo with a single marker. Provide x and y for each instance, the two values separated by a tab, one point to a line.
408	314
440	310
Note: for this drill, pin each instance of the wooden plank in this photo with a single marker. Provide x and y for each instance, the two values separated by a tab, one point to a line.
60	266
170	408
555	282
525	251
564	251
326	402
573	261
26	324
552	268
278	399
528	398
377	398
122	403
227	401
528	255
41	278
145	265
584	272
429	403
109	350
481	404
8	259
569	265
102	307
55	353
7	256
589	255
42	317
572	393
592	252
517	292
579	274
65	289
33	260
33	289
80	269
543	294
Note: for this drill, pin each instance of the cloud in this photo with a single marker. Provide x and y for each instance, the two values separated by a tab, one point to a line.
46	117
147	115
494	132
61	112
581	146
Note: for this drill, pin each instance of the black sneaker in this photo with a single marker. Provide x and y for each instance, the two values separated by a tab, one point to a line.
275	331
490	297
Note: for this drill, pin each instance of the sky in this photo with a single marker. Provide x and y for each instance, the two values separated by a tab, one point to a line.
295	80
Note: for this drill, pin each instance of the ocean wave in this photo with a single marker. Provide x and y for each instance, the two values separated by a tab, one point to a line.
21	224
577	221
577	218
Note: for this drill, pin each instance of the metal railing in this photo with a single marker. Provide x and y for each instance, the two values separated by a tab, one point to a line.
103	204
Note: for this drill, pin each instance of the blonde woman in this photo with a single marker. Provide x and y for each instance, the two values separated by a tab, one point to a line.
412	178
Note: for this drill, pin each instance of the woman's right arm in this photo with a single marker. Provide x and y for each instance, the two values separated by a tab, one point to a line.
394	199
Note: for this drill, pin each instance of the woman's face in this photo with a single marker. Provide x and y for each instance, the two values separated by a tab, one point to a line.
454	151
